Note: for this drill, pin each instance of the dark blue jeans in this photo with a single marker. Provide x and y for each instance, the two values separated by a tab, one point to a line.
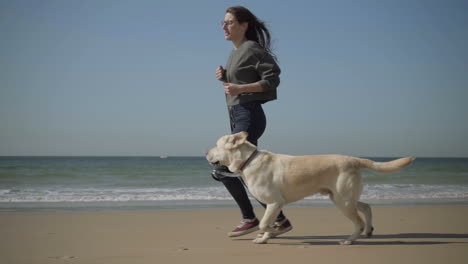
247	117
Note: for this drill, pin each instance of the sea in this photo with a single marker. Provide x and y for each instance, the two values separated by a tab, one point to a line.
98	184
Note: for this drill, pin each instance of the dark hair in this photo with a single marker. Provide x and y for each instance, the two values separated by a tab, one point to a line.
256	30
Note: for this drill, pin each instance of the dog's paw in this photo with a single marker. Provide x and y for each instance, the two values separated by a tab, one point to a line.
260	240
346	242
370	233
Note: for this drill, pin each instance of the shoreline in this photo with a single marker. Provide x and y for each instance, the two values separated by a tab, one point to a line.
192	205
407	234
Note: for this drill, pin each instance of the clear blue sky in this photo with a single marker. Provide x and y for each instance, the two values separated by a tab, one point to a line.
363	78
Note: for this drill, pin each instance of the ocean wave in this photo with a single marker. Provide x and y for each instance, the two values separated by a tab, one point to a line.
414	191
112	195
397	192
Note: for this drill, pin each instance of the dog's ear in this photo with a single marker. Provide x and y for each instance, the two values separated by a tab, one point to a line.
236	140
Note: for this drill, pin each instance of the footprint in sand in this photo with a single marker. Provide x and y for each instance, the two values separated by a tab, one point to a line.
63	257
182	249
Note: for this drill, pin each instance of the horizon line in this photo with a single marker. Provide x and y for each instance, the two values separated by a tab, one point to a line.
192	156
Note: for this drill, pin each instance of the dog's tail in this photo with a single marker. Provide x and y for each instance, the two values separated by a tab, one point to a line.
386	167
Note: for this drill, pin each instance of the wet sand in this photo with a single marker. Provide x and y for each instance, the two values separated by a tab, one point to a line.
432	234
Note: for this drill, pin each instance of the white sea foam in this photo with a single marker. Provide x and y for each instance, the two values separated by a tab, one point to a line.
112	195
397	192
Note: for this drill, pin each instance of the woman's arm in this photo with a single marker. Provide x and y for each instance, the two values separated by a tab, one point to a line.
236	89
266	69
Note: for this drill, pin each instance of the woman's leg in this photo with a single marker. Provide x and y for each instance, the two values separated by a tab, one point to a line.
240	120
237	191
248	117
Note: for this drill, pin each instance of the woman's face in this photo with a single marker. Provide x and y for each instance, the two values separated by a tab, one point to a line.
233	30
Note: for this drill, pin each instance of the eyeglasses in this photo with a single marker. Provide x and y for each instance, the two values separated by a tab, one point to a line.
227	22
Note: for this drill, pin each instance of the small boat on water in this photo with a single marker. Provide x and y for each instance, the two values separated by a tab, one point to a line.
163	157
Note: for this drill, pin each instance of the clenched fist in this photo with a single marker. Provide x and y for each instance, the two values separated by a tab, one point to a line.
232	89
220	72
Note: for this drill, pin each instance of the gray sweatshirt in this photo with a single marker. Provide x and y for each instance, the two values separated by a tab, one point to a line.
250	63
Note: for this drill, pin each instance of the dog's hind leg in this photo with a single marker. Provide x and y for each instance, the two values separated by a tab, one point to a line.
272	211
346	197
366	210
350	211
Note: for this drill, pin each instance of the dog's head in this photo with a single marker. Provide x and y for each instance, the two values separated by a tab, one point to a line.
230	151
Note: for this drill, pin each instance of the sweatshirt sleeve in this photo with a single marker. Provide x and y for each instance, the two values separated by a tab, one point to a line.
268	71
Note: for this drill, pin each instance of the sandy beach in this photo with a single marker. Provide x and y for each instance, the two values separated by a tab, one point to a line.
432	234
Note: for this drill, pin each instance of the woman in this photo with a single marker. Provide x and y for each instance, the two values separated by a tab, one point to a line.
250	79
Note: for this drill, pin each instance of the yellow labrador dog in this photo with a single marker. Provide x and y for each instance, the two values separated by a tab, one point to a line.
277	179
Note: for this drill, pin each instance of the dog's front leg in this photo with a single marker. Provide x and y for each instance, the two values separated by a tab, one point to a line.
272	211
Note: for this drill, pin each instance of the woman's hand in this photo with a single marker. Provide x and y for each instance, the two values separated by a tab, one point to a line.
236	89
232	89
220	73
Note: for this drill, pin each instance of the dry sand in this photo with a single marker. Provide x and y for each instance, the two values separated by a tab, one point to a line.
436	234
